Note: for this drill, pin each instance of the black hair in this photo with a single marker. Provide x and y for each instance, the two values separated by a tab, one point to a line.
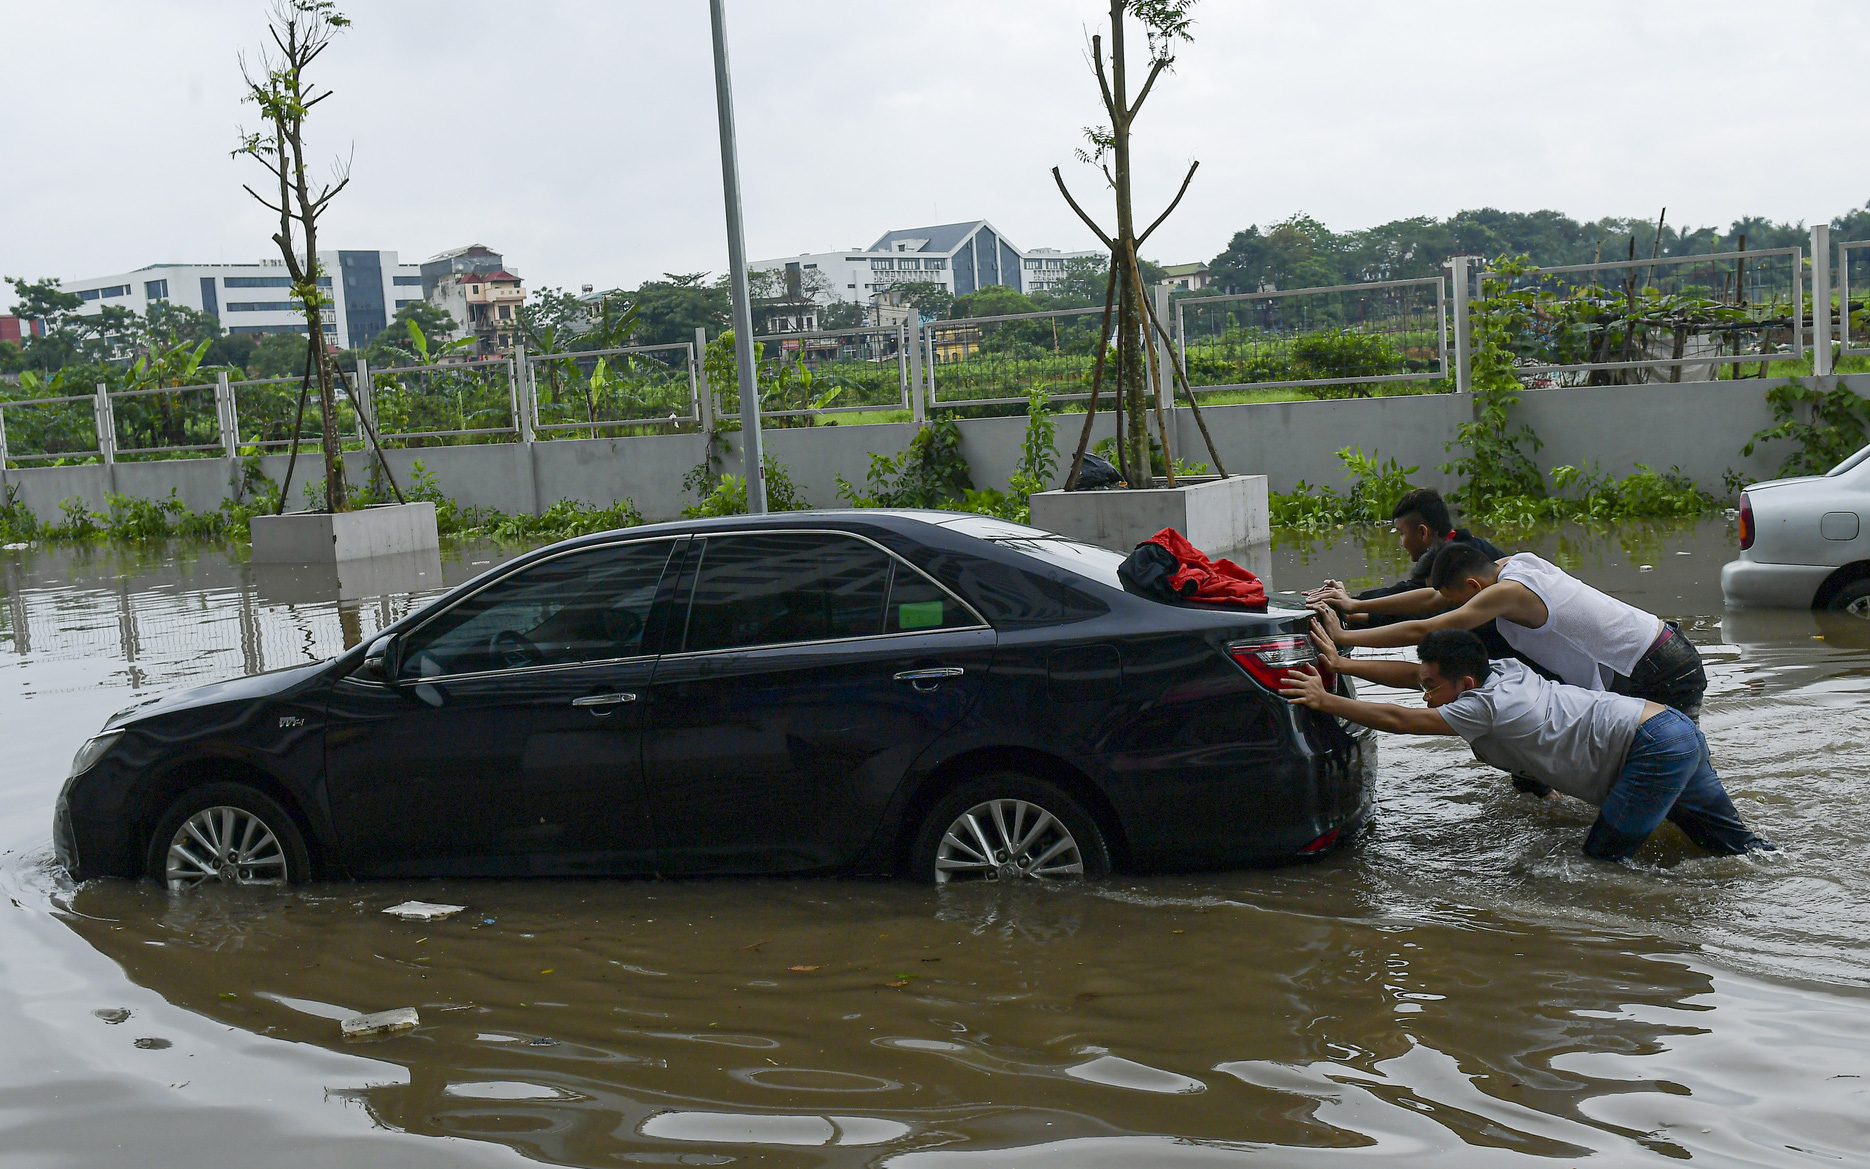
1426	504
1456	562
1455	653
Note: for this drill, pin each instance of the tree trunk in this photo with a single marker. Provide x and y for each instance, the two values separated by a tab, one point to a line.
1131	361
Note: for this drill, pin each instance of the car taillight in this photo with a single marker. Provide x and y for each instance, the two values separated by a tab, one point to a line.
1268	661
1746	522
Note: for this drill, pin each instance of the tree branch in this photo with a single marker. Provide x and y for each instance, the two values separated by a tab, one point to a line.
256	195
1154	72
1173	204
1088	221
1103	82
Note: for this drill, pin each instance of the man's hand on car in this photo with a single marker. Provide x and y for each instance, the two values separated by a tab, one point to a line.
1305	687
1327	617
1328	654
1332	593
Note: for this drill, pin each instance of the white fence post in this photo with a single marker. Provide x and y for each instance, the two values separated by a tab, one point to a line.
928	364
1821	299
523	386
366	401
106	426
913	339
3	449
1463	375
704	391
224	414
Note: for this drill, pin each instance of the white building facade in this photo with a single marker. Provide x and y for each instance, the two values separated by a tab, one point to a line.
960	257
366	290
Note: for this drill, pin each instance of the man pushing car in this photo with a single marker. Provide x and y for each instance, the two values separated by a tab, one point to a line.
1637	761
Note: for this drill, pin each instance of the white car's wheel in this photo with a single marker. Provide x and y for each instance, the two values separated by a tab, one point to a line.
1853	598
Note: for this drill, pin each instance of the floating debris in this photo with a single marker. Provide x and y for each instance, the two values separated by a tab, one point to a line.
423	911
112	1015
152	1043
381	1023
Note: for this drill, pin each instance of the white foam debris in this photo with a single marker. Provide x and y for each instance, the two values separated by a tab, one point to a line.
381	1023
423	911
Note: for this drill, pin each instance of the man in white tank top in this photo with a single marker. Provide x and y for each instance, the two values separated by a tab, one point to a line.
1588	638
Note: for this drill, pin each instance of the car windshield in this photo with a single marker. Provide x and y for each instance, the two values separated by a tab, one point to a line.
1847	464
1085	560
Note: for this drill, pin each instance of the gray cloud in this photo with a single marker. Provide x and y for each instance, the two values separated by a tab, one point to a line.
579	137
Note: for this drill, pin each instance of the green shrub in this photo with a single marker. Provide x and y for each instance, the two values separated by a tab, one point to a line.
930	472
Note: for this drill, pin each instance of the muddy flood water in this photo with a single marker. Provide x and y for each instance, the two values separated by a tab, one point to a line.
1458	987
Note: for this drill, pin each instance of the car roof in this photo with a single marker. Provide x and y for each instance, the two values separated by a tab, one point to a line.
899	519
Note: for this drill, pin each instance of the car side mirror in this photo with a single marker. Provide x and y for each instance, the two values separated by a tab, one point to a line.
379	664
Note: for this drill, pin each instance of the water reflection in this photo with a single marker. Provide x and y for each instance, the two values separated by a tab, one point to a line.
1242	1010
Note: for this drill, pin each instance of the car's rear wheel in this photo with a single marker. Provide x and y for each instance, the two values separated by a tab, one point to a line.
1008	827
1853	598
227	834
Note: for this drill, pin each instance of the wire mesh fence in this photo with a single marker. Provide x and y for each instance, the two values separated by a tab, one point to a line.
983	361
802	375
444	404
266	414
168	420
49	430
1670	319
1335	341
1853	309
589	395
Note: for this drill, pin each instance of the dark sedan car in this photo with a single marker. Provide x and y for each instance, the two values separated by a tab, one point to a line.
940	694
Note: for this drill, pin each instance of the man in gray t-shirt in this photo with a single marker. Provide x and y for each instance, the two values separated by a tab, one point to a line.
1636	761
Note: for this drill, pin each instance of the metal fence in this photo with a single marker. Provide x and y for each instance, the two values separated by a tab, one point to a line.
1671	319
39	430
1854	316
437	404
1348	336
604	389
987	361
831	371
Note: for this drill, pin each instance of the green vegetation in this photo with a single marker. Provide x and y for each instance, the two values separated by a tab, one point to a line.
1832	427
1572	494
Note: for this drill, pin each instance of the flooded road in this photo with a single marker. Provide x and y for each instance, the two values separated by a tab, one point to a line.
1459	982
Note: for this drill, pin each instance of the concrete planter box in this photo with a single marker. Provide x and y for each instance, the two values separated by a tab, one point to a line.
1215	514
309	537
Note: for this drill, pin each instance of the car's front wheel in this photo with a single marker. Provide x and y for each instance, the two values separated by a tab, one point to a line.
230	834
1008	827
1853	598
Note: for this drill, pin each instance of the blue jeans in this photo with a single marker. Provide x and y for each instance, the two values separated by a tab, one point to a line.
1667	775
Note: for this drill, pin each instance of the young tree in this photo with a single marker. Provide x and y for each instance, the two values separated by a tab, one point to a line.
301	30
1165	23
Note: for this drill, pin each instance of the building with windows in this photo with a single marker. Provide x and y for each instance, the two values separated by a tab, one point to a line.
959	257
1185	277
366	290
485	304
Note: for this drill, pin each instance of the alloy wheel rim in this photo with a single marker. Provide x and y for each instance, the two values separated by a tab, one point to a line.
1859	608
227	845
1007	840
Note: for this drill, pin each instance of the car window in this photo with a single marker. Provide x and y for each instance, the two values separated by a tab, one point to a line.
1013	598
919	605
1086	560
770	588
585	606
1849	463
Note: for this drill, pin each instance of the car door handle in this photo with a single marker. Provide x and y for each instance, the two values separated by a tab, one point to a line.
597	704
928	679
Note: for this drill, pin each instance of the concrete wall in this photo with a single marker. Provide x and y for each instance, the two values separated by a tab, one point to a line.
1698	426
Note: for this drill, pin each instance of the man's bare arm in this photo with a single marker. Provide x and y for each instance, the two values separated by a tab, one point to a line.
1401	675
1414	603
1305	688
1492	601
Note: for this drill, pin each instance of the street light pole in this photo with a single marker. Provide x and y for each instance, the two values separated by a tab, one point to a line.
737	271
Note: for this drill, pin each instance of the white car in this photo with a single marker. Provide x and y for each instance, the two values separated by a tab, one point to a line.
1805	543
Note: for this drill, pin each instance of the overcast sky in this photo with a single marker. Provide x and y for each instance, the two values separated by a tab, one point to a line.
578	137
